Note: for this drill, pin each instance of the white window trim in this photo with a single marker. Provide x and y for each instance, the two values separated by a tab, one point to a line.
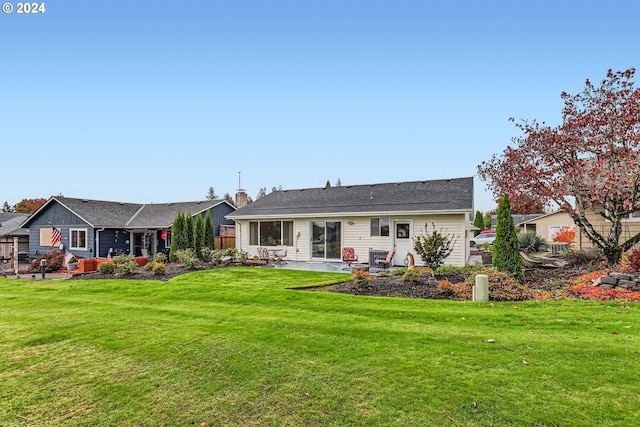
86	239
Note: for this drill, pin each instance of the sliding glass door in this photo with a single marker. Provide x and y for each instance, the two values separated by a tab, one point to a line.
326	239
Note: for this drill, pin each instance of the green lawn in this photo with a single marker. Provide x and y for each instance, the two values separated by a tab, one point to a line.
237	347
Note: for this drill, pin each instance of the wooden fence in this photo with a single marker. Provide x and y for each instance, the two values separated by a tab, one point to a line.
225	242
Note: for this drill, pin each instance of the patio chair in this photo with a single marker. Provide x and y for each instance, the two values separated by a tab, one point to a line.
264	255
349	255
385	262
280	253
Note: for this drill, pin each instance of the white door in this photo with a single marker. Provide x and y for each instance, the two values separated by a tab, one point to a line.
402	241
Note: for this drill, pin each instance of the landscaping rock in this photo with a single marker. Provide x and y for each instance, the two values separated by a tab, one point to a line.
608	280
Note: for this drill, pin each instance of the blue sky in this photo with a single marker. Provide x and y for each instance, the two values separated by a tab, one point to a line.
158	101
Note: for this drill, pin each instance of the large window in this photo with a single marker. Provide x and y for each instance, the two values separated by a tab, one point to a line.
271	233
380	226
78	239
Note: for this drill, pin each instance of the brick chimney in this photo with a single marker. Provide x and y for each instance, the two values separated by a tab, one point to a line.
241	199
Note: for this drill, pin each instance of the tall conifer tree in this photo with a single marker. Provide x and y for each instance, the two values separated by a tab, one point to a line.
198	235
478	222
178	241
209	238
188	231
506	249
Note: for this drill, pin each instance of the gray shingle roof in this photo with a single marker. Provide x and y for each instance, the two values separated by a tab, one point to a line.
105	214
445	195
100	213
10	224
162	215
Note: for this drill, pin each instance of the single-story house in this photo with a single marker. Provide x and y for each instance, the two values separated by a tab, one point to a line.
315	224
518	221
96	228
547	225
9	231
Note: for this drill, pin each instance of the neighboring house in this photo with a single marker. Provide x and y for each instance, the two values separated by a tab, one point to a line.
95	228
518	220
315	224
547	225
9	230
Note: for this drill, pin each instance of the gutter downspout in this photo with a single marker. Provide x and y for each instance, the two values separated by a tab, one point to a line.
97	253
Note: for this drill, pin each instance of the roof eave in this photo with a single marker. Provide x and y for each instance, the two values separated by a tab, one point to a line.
351	214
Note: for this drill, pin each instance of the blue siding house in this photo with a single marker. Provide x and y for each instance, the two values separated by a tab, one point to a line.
96	228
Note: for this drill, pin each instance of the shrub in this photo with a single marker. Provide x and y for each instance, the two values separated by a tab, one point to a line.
585	291
207	254
564	235
55	261
159	268
242	257
188	259
530	242
449	269
127	267
107	267
433	249
633	260
121	259
399	271
411	276
383	274
462	291
361	278
160	257
584	257
590	277
446	287
503	287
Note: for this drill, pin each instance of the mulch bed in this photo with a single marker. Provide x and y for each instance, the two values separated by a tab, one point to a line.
537	278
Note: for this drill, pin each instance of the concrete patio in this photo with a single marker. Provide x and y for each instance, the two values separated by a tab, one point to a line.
323	266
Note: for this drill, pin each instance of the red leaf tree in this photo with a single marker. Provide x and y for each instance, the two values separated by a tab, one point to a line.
29	205
589	163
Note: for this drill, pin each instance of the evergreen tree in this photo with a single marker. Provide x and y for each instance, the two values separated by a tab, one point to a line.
229	199
261	193
338	183
211	195
6	208
209	237
506	249
198	235
327	185
478	222
188	231
487	219
178	241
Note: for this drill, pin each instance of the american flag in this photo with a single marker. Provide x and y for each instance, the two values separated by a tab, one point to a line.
56	238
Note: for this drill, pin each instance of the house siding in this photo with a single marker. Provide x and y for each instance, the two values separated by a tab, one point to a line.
542	224
218	214
629	229
60	217
357	236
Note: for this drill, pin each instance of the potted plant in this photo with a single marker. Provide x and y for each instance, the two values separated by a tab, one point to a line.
71	263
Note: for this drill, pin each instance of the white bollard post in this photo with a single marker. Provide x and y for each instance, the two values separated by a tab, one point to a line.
481	289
